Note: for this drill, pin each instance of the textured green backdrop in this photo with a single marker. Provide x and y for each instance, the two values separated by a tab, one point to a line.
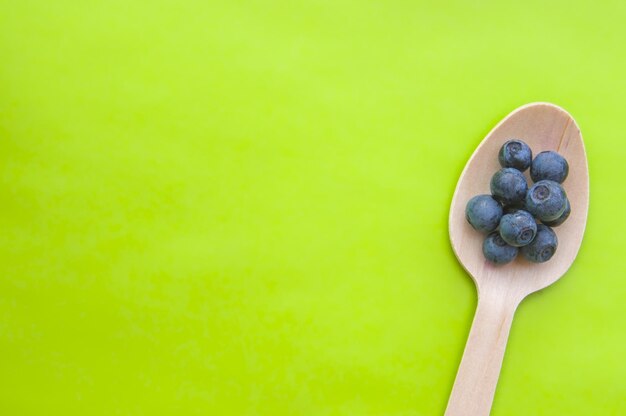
240	207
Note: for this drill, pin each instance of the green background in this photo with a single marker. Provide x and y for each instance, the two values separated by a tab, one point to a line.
240	207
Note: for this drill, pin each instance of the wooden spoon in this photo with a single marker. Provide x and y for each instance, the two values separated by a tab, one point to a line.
501	288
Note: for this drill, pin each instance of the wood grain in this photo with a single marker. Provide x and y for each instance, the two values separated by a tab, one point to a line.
501	288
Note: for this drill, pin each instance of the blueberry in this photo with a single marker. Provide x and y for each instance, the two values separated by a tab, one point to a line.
549	166
497	251
542	247
562	218
546	200
509	186
518	228
483	213
515	154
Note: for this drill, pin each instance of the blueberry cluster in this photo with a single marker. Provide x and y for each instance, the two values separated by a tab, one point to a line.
515	217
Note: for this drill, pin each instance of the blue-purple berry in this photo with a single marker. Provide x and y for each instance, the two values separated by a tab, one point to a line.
483	213
546	200
550	166
562	218
497	251
518	228
508	185
515	154
543	247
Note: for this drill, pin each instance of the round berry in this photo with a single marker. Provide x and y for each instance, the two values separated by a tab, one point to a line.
483	213
562	218
546	200
509	186
543	247
518	228
515	154
497	251
549	166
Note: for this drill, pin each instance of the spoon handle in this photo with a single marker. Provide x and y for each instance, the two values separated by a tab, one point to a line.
475	384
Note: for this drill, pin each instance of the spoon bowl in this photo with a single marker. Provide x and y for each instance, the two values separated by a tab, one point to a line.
542	126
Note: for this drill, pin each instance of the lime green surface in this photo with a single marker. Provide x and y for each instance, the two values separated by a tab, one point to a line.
240	207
